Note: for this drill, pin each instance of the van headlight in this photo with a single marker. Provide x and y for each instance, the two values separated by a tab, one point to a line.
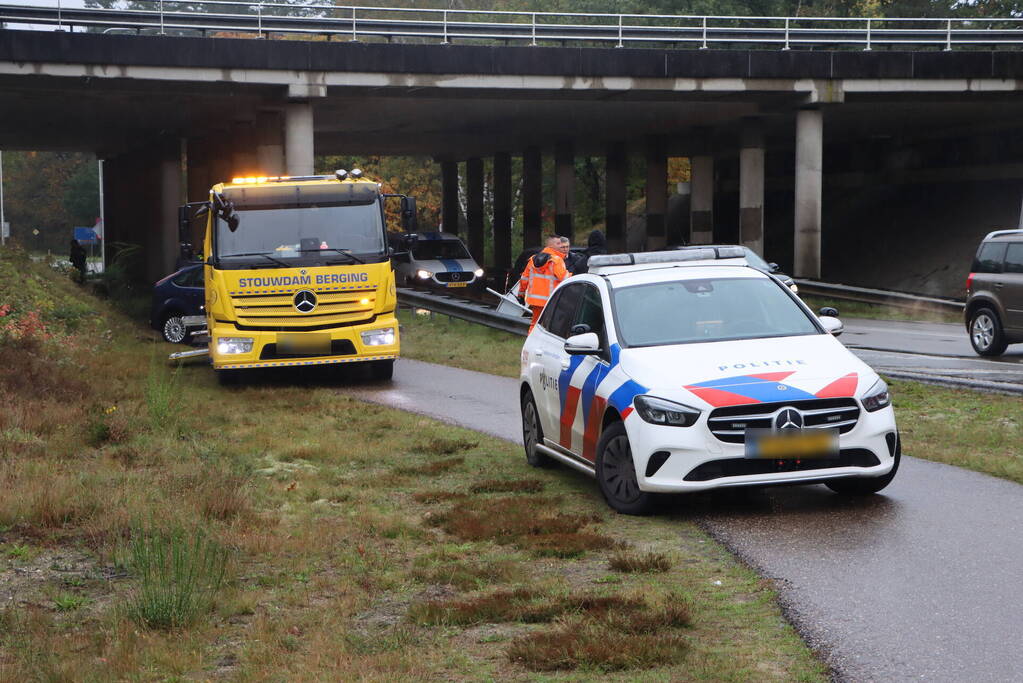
230	345
877	397
424	274
381	337
794	288
661	412
478	272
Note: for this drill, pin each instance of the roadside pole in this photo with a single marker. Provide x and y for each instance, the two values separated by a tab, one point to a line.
102	222
3	224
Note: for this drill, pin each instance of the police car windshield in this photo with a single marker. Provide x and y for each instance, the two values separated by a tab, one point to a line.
707	310
307	234
431	250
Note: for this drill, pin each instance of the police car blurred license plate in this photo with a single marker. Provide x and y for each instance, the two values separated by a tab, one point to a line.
316	344
457	284
792	444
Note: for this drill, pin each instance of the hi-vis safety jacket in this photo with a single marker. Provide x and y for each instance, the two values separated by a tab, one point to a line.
544	271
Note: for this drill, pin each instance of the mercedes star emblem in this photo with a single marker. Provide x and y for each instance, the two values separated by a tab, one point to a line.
305	301
788	418
456	276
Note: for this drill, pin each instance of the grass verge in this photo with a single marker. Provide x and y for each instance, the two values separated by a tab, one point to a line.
448	341
856	309
346	526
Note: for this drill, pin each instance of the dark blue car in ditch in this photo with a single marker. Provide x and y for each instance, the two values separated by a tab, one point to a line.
176	296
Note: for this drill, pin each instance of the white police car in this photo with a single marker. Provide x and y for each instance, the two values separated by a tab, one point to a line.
686	371
438	259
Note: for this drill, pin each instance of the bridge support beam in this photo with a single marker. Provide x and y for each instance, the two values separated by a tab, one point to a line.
270	143
656	191
564	187
162	246
809	166
532	197
616	163
502	211
701	203
449	196
298	138
474	207
751	186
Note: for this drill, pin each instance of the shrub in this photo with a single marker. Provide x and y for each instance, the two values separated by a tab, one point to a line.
179	574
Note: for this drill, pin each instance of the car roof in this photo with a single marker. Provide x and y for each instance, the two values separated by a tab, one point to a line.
693	270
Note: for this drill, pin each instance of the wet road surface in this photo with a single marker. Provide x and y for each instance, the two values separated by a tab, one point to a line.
922	582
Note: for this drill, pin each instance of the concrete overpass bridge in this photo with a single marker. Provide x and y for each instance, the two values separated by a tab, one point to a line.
793	150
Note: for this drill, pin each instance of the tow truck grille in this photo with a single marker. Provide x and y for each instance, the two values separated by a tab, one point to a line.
278	310
730	424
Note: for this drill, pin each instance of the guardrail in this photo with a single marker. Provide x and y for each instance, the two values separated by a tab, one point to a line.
879	296
263	19
464	310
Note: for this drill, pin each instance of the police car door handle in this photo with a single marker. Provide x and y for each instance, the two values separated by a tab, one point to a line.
538	353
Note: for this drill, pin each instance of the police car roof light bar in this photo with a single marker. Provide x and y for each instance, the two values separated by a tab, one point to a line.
665	257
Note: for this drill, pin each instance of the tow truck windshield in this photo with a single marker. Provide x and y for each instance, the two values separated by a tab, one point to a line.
302	236
707	310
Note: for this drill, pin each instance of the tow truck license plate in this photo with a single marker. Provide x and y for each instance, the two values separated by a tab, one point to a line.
457	284
792	444
307	344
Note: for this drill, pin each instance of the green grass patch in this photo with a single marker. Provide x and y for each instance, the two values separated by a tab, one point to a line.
858	309
449	341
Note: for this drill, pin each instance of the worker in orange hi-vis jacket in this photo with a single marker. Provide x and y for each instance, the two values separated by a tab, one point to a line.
544	271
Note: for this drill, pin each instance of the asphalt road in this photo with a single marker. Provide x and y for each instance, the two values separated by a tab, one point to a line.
922	582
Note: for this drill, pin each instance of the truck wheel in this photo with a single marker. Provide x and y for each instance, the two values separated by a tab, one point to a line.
986	333
228	378
616	473
532	432
173	329
381	369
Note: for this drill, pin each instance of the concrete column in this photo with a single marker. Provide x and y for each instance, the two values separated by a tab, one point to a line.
270	143
502	211
564	187
532	197
809	165
197	172
449	196
751	186
656	191
616	163
244	157
701	203
298	138
474	207
163	247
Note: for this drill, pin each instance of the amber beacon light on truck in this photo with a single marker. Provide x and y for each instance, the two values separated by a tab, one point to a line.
297	271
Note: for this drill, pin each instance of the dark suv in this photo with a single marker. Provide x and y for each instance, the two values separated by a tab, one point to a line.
994	293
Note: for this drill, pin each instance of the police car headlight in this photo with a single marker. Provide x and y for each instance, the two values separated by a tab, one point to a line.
383	337
424	274
877	397
478	272
229	345
660	412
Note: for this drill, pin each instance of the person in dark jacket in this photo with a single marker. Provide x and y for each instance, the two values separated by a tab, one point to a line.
595	244
78	257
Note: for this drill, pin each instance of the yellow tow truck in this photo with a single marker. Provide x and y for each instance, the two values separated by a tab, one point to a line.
298	272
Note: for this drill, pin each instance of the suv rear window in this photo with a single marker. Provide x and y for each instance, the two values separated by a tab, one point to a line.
1014	258
989	258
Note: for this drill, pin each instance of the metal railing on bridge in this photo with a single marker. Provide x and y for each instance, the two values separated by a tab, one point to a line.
356	23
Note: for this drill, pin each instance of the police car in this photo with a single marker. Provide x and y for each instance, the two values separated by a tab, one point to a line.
684	371
438	259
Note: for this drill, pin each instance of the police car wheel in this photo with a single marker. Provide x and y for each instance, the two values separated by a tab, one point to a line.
616	473
174	330
532	432
864	486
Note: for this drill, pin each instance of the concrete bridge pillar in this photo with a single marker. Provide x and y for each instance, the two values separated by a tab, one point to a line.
449	196
809	166
244	150
564	187
751	186
474	206
701	203
197	170
502	211
616	163
162	247
532	197
270	143
298	138
656	191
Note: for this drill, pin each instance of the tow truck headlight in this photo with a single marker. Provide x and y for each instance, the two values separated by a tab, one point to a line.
478	272
229	345
424	274
877	397
660	412
382	337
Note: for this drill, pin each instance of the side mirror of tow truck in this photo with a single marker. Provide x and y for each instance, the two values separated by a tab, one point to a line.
409	215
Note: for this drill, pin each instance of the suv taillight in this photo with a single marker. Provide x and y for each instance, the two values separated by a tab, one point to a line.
969	283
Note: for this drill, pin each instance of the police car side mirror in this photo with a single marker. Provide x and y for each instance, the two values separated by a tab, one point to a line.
832	325
587	344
